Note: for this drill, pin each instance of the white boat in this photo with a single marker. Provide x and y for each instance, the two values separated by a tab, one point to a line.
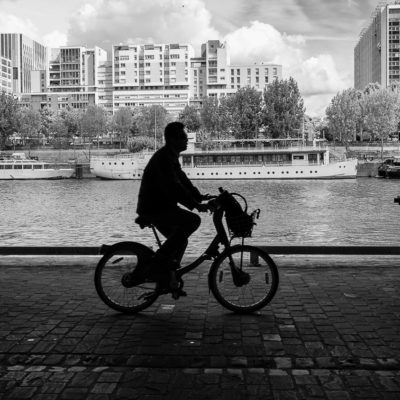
235	159
18	166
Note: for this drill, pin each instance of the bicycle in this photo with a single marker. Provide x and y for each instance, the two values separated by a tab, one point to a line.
242	278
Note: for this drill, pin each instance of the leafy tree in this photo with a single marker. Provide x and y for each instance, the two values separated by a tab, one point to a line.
122	122
59	128
139	143
191	118
244	111
381	107
30	123
72	119
46	119
210	118
343	115
8	117
283	109
150	121
93	122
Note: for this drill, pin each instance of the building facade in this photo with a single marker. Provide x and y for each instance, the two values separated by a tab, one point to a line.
377	53
28	58
146	75
137	75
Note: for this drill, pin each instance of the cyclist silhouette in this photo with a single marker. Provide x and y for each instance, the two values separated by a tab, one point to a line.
163	187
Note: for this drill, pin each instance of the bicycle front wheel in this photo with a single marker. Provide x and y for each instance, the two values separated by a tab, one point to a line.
244	279
122	259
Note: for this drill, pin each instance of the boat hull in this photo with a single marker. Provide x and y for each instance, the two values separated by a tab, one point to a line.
121	169
27	174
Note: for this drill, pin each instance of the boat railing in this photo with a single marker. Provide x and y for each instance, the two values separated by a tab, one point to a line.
269	149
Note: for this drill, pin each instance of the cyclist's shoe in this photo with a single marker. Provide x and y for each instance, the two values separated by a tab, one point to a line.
131	279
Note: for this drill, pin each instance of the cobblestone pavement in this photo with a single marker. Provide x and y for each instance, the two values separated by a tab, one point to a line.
332	332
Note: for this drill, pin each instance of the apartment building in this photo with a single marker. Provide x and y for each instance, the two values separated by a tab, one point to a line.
168	75
212	74
153	74
377	53
6	64
71	79
27	57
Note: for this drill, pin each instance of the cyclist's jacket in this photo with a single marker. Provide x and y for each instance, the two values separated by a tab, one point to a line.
164	185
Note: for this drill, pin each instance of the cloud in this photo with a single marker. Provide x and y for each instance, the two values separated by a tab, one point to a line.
12	24
105	22
55	39
315	75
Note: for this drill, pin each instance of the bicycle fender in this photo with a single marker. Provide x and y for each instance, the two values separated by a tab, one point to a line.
123	245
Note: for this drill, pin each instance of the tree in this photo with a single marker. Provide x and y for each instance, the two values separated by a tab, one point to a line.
190	118
343	115
72	119
30	123
59	128
283	109
150	121
93	122
46	119
381	108
243	112
122	122
209	115
8	117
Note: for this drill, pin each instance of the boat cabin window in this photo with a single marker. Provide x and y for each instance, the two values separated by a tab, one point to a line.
8	166
313	158
27	166
17	166
47	166
38	166
298	157
186	160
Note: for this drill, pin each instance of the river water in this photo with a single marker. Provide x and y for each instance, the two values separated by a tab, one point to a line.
90	212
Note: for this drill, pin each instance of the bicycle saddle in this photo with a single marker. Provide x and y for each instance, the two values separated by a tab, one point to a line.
143	222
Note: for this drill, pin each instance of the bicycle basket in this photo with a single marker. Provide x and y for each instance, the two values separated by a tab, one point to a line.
240	225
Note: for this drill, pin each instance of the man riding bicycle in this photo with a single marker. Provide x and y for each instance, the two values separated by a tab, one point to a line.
163	187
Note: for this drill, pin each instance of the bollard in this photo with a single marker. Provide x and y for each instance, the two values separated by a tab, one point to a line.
78	171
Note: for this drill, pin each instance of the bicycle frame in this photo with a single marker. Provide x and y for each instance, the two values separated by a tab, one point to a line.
212	250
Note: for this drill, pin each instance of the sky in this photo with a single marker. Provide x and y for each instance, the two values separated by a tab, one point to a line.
314	40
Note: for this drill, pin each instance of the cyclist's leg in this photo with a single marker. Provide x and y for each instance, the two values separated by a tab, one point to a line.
176	225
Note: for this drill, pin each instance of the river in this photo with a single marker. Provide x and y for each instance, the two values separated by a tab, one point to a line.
90	212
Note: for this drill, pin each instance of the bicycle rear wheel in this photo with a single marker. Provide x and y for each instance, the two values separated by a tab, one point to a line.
123	258
244	279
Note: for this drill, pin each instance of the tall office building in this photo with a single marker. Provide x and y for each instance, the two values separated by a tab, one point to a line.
27	55
377	53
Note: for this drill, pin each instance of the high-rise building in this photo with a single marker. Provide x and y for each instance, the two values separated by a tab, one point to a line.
27	55
377	53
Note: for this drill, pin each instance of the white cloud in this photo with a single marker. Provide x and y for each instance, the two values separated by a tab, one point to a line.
105	22
316	75
12	24
55	39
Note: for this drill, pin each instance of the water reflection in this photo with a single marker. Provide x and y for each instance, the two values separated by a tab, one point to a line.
91	212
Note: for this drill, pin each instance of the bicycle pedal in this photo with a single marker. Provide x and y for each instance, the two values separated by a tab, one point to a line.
178	293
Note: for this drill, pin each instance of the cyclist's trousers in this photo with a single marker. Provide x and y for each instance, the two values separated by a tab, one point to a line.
176	225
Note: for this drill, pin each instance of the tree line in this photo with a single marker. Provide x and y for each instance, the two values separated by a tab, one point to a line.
277	112
369	115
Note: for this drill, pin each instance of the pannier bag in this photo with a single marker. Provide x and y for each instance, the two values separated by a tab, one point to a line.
240	223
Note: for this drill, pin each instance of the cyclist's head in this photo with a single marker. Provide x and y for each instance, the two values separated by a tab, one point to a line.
175	136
